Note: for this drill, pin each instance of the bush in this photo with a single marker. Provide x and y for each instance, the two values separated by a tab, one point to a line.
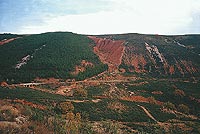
80	92
66	107
152	100
183	108
169	106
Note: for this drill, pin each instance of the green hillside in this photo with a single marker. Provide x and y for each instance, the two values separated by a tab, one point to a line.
49	55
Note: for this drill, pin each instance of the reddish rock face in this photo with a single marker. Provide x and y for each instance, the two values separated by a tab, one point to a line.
109	51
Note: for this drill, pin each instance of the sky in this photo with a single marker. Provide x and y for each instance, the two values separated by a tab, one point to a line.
100	16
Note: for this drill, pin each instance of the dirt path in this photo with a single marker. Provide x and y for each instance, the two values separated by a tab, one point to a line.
149	114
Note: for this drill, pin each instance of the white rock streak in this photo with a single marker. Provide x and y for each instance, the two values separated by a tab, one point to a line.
25	59
154	51
23	62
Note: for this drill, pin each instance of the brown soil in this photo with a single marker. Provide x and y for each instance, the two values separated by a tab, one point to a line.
109	51
132	58
7	41
82	67
3	84
171	70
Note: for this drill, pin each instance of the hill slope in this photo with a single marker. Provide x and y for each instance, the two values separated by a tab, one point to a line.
174	56
47	55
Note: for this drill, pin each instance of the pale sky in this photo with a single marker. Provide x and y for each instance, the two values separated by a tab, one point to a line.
100	16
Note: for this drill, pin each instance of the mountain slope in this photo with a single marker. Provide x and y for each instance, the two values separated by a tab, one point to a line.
157	55
47	55
66	55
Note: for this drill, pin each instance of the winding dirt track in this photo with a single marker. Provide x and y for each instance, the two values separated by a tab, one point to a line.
149	115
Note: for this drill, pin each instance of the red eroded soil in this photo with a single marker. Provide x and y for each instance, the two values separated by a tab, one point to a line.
3	84
109	51
82	67
171	70
133	58
6	41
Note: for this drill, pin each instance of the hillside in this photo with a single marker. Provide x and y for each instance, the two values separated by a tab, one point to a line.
63	82
174	56
47	55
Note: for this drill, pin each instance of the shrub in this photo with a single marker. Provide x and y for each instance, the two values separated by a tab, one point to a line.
169	106
66	107
183	108
80	92
152	100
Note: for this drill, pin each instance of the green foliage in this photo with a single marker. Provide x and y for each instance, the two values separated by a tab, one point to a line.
96	90
99	111
111	127
66	107
29	95
183	108
9	36
51	55
80	92
169	106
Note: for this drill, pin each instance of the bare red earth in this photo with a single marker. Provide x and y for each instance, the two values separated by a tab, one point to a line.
109	51
7	41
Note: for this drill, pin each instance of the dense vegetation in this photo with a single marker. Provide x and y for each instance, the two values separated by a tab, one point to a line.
51	55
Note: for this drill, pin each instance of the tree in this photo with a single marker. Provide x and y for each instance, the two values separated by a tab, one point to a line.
73	123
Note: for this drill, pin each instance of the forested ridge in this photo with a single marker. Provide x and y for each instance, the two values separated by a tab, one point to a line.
49	55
